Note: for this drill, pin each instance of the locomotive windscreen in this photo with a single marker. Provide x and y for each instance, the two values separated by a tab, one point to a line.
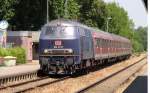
60	31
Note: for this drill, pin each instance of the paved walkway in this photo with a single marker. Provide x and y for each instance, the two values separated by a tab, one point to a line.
139	85
9	71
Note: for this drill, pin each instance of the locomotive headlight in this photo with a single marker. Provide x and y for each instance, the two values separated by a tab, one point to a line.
70	51
45	51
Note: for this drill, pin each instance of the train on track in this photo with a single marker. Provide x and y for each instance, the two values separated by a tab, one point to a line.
66	46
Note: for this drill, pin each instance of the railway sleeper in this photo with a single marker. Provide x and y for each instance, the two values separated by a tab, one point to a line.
17	78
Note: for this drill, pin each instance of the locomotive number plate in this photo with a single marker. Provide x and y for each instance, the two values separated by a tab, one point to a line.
58	43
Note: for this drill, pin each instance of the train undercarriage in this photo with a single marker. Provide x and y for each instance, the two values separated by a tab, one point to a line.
69	68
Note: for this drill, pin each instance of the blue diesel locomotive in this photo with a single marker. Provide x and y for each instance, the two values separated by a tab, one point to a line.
66	46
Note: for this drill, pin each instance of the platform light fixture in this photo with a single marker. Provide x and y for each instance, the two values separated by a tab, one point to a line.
108	18
47	11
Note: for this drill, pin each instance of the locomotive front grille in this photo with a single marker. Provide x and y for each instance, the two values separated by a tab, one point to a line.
58	51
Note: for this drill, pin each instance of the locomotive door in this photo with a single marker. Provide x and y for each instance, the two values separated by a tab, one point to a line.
86	44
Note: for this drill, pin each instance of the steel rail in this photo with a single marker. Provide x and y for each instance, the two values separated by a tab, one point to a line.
21	83
108	77
37	83
8	79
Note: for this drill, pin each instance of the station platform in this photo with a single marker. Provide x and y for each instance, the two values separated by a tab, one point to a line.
18	69
139	85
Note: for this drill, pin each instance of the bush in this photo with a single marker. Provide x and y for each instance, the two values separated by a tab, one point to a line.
4	52
17	52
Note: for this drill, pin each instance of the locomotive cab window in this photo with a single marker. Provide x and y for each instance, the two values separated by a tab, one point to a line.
59	31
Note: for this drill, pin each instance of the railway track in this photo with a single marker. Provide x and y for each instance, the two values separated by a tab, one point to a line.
37	82
22	87
17	78
100	83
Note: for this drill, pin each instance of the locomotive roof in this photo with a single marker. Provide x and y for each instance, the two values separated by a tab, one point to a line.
103	34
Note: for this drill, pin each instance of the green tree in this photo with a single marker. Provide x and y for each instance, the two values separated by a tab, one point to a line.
142	36
6	9
29	15
93	13
120	23
68	9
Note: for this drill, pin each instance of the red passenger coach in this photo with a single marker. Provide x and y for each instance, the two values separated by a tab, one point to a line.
108	45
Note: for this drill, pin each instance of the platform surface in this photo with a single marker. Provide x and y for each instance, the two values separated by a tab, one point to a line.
13	70
139	85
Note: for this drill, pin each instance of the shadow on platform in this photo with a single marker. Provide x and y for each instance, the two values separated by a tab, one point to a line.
139	85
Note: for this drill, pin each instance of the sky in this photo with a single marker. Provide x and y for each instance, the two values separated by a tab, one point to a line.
136	10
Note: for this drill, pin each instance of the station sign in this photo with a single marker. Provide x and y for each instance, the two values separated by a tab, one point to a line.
3	33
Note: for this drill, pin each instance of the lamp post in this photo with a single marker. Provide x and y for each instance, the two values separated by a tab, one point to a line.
47	19
66	1
108	18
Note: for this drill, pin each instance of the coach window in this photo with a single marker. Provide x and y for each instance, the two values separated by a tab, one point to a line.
110	44
105	43
117	44
102	43
96	42
121	45
113	44
99	43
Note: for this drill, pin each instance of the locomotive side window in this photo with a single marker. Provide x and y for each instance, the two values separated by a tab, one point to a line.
87	32
50	30
82	32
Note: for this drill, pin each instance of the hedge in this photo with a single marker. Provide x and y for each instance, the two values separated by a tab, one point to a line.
17	52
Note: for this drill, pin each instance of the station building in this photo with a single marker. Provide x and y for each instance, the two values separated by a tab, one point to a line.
29	40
